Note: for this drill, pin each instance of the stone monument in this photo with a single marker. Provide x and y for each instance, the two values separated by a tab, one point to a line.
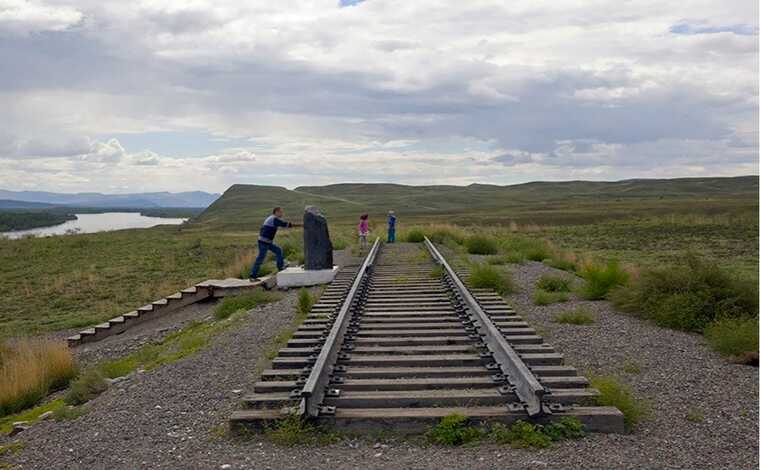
318	254
317	247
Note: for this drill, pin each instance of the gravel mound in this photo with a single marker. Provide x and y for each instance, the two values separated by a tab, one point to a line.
171	417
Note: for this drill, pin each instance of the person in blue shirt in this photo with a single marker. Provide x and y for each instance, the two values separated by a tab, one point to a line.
266	241
391	227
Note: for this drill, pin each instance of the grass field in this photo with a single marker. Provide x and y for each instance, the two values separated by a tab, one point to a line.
71	281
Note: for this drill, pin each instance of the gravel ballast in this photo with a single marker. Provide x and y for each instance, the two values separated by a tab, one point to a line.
171	417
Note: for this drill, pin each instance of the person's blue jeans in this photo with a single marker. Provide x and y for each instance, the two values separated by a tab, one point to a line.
391	235
263	248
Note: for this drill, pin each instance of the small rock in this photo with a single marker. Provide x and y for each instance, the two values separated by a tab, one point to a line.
226	465
19	426
376	446
538	463
237	390
379	454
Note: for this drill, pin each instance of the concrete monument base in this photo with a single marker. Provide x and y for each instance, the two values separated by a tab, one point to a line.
299	277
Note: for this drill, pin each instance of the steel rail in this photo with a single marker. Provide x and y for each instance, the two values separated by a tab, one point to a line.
314	390
527	386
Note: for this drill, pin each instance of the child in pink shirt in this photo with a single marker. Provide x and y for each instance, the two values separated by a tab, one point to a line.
363	230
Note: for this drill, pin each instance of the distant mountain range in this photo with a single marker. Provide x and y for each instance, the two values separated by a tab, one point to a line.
41	199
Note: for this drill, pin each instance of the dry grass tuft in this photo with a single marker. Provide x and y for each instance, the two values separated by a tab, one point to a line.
30	368
241	265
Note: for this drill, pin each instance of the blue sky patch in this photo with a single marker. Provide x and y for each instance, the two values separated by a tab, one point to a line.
349	3
689	29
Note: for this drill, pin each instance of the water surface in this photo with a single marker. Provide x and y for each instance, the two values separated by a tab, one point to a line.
91	223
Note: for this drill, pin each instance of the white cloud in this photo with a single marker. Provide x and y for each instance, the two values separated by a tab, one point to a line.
30	16
309	91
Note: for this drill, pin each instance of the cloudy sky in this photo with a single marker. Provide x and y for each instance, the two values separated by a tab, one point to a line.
126	96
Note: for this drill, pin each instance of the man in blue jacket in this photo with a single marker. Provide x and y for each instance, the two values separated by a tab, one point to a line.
266	241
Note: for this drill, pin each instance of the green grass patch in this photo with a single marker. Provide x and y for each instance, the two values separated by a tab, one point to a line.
31	415
564	261
87	386
733	337
178	345
579	316
69	413
481	245
457	430
542	297
454	430
484	276
415	235
614	393
688	296
694	416
553	283
630	367
293	431
521	247
11	448
522	434
600	280
305	301
437	272
256	297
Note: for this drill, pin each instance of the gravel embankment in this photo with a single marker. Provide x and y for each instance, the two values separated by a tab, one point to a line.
169	417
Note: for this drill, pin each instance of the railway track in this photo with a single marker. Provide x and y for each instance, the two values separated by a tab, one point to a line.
399	342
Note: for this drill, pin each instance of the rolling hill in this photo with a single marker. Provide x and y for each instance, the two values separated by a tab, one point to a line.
547	203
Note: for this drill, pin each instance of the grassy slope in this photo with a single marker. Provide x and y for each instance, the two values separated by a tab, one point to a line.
65	282
538	203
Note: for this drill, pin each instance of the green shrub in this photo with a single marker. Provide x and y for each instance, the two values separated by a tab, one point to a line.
600	280
339	244
305	301
688	296
484	276
567	427
553	284
524	434
537	253
525	248
521	434
454	430
86	387
68	413
230	305
733	336
446	235
579	316
290	250
415	235
542	297
614	393
562	262
501	259
481	245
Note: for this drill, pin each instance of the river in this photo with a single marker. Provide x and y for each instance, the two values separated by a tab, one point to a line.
91	223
